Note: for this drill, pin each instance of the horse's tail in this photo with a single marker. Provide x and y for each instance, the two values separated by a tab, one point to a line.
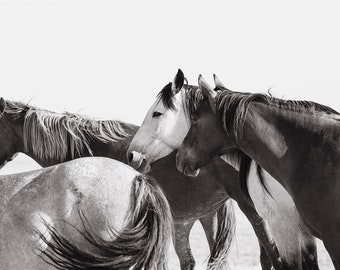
142	245
224	236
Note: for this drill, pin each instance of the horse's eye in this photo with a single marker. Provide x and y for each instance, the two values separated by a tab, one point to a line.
156	114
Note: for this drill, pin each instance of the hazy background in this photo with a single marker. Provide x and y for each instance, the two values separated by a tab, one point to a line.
109	59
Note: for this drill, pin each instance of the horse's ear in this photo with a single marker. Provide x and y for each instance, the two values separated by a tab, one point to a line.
207	91
178	82
219	85
2	105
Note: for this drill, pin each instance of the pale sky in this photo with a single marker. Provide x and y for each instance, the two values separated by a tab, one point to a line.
109	59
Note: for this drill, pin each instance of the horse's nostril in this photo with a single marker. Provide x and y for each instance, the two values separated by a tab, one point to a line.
130	157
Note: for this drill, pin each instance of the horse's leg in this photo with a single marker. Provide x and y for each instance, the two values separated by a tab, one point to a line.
286	230
209	224
182	245
309	252
219	228
269	253
332	245
264	259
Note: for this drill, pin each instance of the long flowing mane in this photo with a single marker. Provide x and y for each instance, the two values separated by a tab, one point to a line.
231	107
51	135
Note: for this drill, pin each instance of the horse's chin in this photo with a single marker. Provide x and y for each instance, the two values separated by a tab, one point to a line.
144	167
191	172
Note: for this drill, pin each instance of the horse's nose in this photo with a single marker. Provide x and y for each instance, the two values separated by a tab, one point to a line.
135	159
129	157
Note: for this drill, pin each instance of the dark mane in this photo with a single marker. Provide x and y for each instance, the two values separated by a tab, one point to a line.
165	95
231	107
51	135
193	96
302	105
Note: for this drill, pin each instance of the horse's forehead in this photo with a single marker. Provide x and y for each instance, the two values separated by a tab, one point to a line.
158	104
160	107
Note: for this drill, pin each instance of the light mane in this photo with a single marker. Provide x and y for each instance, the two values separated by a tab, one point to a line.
50	135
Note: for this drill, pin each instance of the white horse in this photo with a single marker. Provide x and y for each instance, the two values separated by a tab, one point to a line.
89	213
163	130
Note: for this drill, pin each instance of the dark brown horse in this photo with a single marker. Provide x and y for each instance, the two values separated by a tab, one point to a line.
50	138
295	141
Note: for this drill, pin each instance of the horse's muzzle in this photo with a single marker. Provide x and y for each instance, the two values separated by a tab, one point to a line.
183	166
138	161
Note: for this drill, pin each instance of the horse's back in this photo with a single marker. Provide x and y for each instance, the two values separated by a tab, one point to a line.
62	196
95	174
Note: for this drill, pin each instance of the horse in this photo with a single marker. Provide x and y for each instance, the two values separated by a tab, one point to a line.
297	248
51	138
88	213
294	141
162	131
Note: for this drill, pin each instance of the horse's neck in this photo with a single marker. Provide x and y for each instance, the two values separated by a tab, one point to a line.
64	149
112	150
279	140
14	129
43	162
115	150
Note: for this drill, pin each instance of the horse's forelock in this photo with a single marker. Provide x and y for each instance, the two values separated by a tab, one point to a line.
192	97
166	96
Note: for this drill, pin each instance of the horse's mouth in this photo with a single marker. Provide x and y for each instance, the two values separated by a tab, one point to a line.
188	171
144	166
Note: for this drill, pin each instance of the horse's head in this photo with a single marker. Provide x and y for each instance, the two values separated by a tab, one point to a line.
164	127
205	138
10	141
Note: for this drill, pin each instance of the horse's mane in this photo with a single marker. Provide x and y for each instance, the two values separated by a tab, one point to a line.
231	107
51	135
192	94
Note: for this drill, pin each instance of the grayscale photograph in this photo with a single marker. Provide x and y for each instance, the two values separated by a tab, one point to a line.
179	135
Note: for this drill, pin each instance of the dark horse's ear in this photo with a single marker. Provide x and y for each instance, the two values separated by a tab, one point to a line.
219	85
207	91
2	105
178	82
